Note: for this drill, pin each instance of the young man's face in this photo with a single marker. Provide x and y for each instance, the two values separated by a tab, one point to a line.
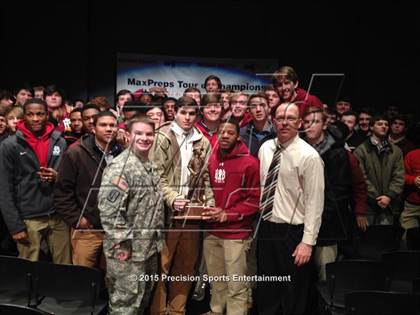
342	107
287	122
156	114
6	102
122	99
286	88
258	107
196	96
3	124
169	108
39	94
55	100
239	106
76	122
349	121
87	116
12	121
212	86
228	136
212	112
314	126
22	96
380	129
225	101
398	127
273	98
142	136
185	117
35	117
105	129
145	98
364	121
331	119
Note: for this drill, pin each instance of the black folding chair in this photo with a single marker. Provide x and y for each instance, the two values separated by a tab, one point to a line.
377	240
382	303
12	309
352	275
15	280
67	289
404	267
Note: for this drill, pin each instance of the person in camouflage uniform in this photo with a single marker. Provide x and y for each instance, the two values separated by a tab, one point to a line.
132	214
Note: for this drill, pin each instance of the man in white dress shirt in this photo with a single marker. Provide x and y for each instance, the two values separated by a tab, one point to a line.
290	216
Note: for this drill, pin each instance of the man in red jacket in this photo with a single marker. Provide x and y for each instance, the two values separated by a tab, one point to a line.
286	81
410	217
234	176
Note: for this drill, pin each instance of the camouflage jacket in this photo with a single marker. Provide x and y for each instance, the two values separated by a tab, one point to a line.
131	207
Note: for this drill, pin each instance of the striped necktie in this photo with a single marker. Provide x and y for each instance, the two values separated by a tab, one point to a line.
267	199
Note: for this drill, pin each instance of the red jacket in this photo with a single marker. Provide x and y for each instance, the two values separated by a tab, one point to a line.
412	170
40	145
212	137
303	99
235	180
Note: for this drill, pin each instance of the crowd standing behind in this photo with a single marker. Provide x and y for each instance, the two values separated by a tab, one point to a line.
287	185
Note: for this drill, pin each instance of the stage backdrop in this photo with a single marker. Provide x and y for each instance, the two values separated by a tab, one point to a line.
135	71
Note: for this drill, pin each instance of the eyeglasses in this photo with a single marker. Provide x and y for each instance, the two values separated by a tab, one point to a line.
288	119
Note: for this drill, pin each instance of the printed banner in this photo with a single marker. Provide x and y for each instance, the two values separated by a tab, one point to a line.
135	71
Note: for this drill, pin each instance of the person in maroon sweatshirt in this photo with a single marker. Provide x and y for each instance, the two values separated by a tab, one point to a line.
286	81
234	176
410	217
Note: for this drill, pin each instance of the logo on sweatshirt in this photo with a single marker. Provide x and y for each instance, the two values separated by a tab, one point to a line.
219	176
56	150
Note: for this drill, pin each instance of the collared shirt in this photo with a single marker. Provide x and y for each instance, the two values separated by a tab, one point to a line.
107	155
185	142
299	196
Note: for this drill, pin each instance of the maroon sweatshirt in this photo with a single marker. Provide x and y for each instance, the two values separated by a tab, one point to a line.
235	179
41	144
412	170
303	99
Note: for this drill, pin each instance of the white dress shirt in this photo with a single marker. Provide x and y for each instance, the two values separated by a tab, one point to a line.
299	195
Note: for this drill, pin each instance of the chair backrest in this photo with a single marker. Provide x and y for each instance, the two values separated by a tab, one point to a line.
382	303
353	275
403	265
377	239
15	275
19	310
66	282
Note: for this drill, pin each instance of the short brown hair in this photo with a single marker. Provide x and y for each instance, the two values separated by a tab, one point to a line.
210	98
140	118
101	102
286	71
312	110
186	101
261	95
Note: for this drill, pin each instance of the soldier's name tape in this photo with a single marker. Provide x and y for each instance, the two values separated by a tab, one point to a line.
208	278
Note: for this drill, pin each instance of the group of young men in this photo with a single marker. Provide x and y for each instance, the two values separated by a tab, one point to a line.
278	185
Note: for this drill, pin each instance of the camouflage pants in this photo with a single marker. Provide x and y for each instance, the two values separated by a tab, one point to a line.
130	284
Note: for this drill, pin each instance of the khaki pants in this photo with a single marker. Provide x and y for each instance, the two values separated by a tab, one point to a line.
322	256
54	231
227	257
410	217
87	247
178	257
